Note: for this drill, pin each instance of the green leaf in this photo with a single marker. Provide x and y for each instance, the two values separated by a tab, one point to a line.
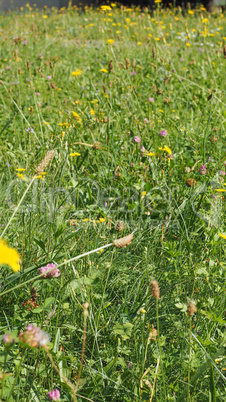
123	330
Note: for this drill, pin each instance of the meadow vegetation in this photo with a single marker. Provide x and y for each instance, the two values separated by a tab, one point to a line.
112	122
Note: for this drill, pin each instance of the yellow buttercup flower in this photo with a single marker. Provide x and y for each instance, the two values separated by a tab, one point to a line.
220	190
77	72
20	170
74	154
151	154
103	70
222	235
9	256
21	176
111	41
105	8
167	149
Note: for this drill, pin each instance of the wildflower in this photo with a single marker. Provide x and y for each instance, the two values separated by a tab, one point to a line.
222	172
20	170
167	149
202	169
223	236
188	44
150	154
30	130
133	72
54	395
205	20
77	72
137	139
49	77
155	291
104	70
111	41
8	339
143	311
34	336
163	133
37	93
21	176
220	190
75	154
49	271
191	309
9	256
105	8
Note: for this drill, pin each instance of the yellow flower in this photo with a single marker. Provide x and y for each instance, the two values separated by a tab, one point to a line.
21	176
205	20
151	154
222	235
220	190
143	311
113	4
143	193
77	72
188	44
92	111
9	256
111	41
118	32
76	115
190	12
103	70
45	16
157	1
105	8
74	154
157	38
167	149
20	170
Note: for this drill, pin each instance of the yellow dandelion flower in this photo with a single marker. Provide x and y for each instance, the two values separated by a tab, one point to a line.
21	176
103	70
76	72
188	44
157	38
190	12
76	115
222	235
45	16
111	41
220	190
20	170
167	149
205	20
105	8
9	256
92	112
151	154
74	154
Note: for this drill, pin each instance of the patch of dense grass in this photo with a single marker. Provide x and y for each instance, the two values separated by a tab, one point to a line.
133	105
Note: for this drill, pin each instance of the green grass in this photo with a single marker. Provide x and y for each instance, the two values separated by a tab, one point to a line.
75	207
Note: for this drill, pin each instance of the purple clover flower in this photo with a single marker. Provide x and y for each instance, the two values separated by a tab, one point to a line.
133	73
163	133
137	139
202	169
24	42
54	395
222	172
30	130
8	339
150	99
37	93
49	271
34	336
49	77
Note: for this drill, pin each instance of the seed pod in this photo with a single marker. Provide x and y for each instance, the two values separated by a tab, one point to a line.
124	241
120	226
155	291
166	80
44	163
110	66
191	309
224	51
127	63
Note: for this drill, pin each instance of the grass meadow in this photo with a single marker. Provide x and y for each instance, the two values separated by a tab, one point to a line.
112	123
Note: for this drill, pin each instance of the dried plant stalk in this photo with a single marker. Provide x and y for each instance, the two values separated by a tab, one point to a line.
124	241
44	163
155	291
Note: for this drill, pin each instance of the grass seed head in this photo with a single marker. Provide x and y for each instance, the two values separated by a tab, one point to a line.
192	309
155	291
124	241
44	163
